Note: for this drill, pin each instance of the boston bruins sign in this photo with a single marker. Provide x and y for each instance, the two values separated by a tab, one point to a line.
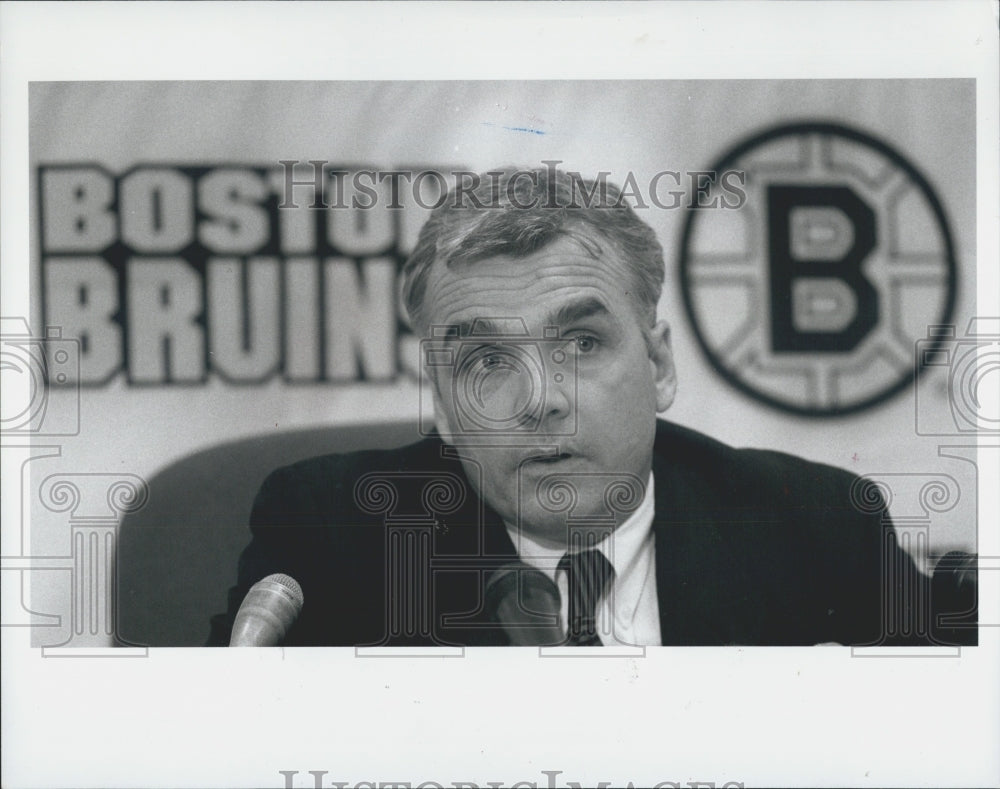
812	296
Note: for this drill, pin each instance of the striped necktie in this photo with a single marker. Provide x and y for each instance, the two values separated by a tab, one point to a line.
589	573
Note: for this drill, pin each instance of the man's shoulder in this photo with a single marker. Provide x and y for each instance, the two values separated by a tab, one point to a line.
762	502
747	473
333	482
425	455
411	457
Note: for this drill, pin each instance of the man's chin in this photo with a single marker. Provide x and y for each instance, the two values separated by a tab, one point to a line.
563	496
587	520
544	528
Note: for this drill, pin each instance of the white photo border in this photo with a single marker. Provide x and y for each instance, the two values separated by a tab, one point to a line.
751	716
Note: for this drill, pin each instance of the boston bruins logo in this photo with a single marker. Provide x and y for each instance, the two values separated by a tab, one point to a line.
811	296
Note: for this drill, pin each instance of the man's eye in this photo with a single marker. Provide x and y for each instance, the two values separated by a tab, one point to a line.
488	358
585	343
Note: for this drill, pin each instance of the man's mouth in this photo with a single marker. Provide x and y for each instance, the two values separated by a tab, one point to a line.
549	458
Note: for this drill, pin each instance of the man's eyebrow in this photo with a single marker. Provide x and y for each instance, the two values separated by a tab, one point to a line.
578	310
568	313
483	326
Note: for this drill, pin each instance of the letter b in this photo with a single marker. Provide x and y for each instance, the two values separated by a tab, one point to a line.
819	237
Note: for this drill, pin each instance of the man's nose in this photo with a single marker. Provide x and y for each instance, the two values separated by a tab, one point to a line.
560	398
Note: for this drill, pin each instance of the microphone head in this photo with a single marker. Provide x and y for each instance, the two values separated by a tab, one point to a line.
955	599
284	584
270	608
959	569
502	582
525	601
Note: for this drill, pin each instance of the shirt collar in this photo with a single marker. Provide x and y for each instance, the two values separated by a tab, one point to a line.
622	547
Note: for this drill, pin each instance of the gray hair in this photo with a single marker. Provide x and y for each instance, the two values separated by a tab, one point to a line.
517	212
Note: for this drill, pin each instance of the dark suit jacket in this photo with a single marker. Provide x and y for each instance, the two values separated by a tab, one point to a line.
752	547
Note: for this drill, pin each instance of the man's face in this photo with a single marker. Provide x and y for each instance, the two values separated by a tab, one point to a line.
583	407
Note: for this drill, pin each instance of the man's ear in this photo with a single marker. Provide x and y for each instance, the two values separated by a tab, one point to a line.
661	359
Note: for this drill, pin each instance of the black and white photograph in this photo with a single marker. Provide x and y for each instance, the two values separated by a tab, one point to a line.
559	378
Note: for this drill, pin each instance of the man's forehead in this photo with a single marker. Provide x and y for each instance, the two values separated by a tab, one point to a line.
559	315
554	283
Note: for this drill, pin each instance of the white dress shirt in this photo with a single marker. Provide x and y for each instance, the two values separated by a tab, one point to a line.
628	613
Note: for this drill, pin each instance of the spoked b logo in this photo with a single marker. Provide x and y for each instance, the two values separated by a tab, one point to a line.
811	296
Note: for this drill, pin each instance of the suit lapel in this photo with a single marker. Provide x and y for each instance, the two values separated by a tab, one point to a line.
703	557
686	537
665	543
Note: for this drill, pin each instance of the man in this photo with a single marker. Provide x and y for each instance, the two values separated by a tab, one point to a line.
551	505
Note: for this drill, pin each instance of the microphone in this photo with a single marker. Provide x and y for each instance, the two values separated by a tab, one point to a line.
956	571
954	599
267	612
525	601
